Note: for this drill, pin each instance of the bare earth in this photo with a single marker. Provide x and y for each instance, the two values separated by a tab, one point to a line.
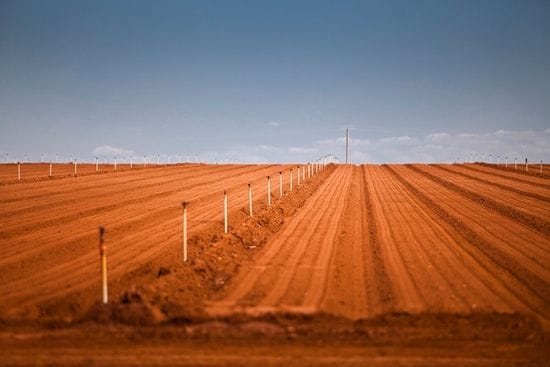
399	264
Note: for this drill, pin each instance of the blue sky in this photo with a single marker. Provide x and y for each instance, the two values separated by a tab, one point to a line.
275	81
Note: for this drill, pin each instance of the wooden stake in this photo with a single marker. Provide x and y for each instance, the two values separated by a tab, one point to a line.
298	175
184	205
103	255
225	223
115	163
290	181
250	200
131	162
541	168
280	184
144	161
50	169
96	165
75	165
19	171
515	163
526	165
268	191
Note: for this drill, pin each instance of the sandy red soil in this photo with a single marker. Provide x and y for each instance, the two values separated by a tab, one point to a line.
410	264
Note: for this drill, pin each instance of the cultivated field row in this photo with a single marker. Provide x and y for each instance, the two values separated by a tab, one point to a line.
48	238
406	238
369	241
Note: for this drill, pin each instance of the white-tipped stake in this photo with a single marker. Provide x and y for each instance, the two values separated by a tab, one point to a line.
268	191
515	163
290	181
158	159
298	168
115	163
96	165
144	161
506	163
225	222
131	162
103	255
526	165
75	167
19	171
51	169
280	184
184	205
250	200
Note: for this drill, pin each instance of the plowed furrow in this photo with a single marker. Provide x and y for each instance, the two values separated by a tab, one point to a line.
137	213
516	240
507	176
35	218
382	282
419	239
43	191
351	287
495	184
532	171
533	222
113	186
523	204
163	225
405	289
537	285
262	287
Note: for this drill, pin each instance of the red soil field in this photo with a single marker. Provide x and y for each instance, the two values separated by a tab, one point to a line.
409	264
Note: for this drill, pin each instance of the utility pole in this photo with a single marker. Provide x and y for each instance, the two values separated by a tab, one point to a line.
347	145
